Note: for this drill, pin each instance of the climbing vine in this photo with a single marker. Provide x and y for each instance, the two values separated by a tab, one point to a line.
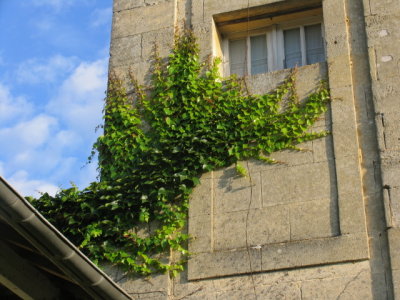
156	145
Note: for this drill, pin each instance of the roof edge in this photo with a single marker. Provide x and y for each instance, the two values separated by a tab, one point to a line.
28	222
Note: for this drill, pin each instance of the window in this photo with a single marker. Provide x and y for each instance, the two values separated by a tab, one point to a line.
303	46
238	52
273	48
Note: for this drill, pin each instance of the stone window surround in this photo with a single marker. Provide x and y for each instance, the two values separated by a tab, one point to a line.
352	242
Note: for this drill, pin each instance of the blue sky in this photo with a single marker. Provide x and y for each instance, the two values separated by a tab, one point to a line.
53	74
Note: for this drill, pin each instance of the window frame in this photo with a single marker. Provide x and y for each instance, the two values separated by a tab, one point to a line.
275	43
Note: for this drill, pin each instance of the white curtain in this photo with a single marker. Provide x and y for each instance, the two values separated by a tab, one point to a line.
237	57
314	44
292	47
259	60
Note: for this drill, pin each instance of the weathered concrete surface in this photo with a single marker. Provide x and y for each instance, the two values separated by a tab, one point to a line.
326	223
382	35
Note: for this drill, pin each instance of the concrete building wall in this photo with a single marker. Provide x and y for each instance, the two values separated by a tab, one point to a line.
324	225
382	35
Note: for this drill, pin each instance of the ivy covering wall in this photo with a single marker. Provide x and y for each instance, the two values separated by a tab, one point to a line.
155	147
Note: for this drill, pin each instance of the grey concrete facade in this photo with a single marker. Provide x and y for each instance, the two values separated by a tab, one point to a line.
326	223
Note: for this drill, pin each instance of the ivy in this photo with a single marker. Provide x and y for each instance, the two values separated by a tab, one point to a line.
154	150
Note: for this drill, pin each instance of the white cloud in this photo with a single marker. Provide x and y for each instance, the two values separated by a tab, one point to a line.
31	187
65	138
49	149
12	108
2	171
101	17
44	24
34	71
42	148
88	77
79	101
27	134
56	4
88	174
